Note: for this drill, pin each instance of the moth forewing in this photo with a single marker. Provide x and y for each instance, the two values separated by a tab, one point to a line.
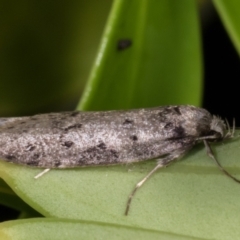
81	139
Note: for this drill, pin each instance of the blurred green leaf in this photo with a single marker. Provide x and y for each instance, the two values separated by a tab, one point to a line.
46	52
162	65
229	11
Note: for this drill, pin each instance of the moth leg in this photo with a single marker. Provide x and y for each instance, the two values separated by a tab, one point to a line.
163	162
211	155
42	173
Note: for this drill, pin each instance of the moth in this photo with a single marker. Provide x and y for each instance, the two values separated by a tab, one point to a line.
81	139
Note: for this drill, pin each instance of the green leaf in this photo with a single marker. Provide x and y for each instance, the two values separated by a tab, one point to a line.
163	64
229	12
43	229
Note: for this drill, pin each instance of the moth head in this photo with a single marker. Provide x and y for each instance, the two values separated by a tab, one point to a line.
217	129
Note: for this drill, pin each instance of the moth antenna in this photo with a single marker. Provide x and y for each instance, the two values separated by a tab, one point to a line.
42	173
211	155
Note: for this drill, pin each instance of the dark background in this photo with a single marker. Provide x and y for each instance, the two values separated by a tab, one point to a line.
221	70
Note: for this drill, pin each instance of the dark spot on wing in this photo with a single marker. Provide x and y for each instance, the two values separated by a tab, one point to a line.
33	163
11	127
134	137
10	157
74	114
162	117
102	146
179	132
68	144
57	163
169	126
164	113
177	110
128	122
78	125
98	155
30	147
141	150
114	153
123	44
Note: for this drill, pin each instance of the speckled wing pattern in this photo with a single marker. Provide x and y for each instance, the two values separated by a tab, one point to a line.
72	139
